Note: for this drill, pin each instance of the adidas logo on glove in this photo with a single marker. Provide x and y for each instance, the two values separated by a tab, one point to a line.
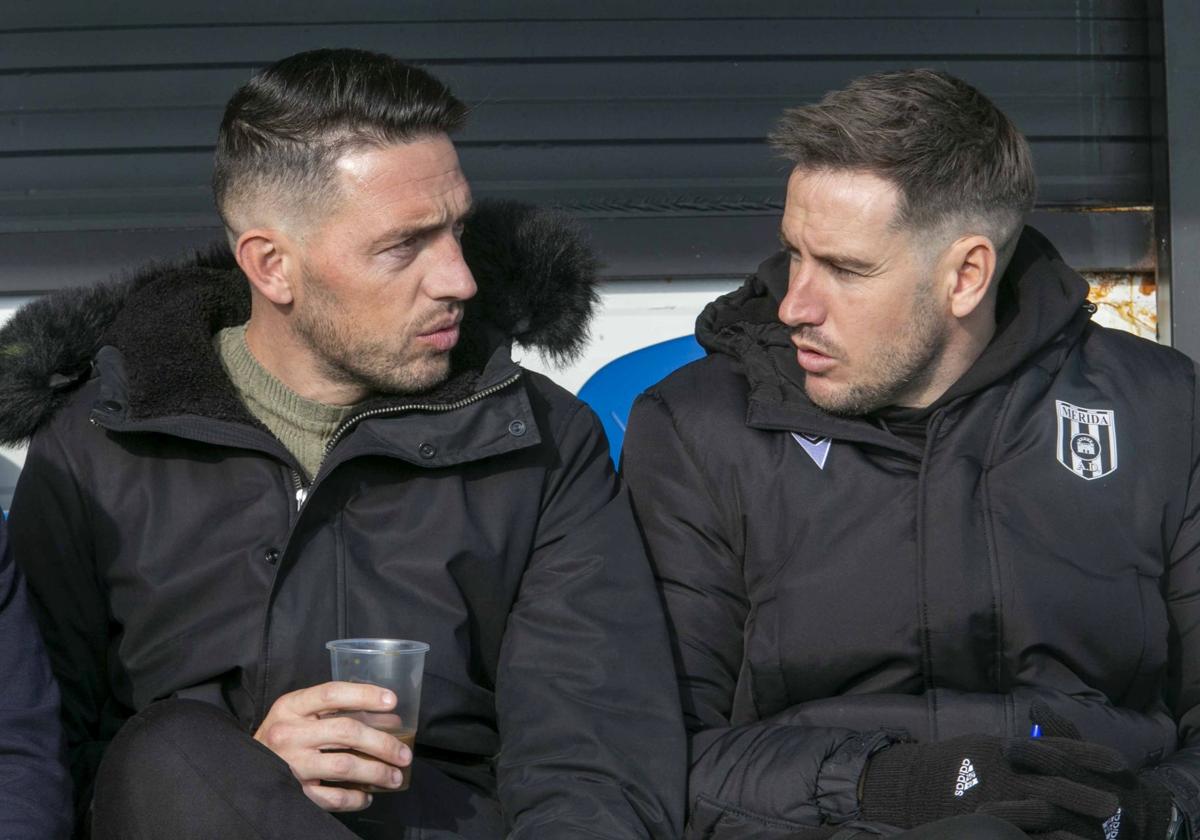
967	777
1112	826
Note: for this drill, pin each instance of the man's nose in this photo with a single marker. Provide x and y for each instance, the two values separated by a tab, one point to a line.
802	304
451	278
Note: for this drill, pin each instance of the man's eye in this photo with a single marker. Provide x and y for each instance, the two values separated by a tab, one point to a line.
844	272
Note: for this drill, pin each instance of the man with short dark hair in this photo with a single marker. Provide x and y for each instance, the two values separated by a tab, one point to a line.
323	435
927	537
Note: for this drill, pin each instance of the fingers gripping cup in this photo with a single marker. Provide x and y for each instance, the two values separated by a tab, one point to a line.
394	664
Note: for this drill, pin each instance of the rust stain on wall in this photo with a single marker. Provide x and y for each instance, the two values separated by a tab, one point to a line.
1125	300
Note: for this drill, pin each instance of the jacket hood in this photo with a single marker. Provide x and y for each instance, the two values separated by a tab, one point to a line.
536	285
1039	298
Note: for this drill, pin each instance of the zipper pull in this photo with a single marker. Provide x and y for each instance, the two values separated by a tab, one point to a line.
301	496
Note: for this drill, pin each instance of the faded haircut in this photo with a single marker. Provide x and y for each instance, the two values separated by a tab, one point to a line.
284	130
959	163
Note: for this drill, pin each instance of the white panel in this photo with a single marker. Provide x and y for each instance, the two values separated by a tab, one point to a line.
633	314
11	460
9	305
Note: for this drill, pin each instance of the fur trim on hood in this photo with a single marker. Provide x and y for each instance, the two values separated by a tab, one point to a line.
536	279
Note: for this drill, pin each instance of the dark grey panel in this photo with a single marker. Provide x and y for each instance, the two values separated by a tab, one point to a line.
23	14
45	261
168	190
542	122
793	81
683	247
680	167
750	169
624	170
1179	179
645	118
542	40
630	245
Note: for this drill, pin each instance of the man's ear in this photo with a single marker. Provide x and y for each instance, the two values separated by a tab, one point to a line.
970	264
262	254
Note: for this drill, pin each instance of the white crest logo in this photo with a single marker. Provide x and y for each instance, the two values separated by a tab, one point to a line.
1087	439
816	446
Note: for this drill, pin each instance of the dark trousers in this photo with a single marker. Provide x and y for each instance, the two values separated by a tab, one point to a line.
185	770
182	769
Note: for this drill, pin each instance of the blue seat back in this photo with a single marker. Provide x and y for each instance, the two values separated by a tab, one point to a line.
611	390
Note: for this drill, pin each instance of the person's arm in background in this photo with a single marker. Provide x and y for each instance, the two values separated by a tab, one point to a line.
592	744
766	777
1180	772
35	791
51	543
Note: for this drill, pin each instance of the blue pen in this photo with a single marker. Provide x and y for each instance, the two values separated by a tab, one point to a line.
1036	732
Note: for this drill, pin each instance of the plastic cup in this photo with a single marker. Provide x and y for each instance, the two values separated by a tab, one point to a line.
395	664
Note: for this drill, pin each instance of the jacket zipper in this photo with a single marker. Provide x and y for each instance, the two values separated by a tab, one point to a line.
302	493
302	489
935	422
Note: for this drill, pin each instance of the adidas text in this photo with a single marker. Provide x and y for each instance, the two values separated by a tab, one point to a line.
967	778
1112	826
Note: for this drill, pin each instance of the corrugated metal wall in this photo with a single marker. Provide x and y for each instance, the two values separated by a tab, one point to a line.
645	118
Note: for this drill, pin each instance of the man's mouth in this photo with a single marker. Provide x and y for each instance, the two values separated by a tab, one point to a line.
813	360
443	335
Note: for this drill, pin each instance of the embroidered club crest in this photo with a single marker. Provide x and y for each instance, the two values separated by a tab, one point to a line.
1087	440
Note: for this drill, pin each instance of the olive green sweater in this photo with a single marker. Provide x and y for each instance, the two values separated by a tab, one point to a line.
304	426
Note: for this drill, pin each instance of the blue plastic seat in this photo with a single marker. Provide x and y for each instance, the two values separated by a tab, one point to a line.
611	390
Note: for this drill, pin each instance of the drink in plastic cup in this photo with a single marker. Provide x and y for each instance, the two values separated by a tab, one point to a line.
394	664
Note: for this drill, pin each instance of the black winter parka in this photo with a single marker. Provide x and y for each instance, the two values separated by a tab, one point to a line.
832	588
168	551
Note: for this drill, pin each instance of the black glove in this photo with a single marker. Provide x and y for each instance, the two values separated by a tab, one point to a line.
1042	786
1145	804
1145	807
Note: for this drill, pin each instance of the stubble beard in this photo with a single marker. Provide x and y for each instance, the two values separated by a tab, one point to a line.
901	369
346	357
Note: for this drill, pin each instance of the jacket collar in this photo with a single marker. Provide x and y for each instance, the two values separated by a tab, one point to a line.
1041	308
165	364
150	336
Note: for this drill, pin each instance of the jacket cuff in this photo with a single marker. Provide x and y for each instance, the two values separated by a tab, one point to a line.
1185	793
837	783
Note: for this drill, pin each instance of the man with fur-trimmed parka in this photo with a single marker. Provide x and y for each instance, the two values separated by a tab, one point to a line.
913	503
323	435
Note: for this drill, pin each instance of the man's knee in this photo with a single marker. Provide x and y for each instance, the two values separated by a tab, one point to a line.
165	733
151	756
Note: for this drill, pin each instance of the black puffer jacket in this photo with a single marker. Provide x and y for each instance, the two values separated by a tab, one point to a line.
157	522
832	587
